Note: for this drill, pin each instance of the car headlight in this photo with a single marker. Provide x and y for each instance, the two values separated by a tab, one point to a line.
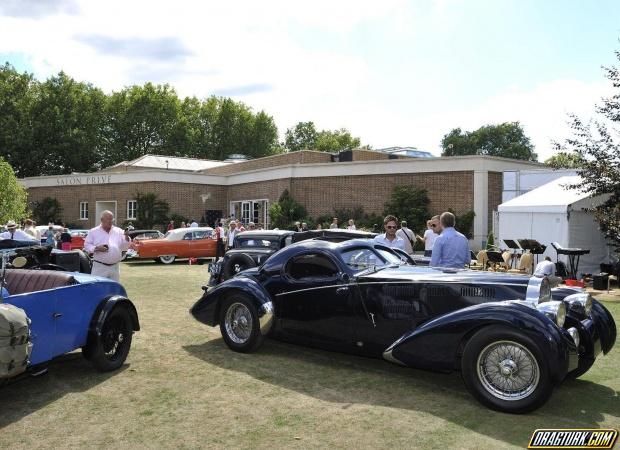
580	304
538	290
555	310
575	335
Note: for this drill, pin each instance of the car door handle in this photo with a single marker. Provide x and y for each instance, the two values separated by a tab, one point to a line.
56	315
342	290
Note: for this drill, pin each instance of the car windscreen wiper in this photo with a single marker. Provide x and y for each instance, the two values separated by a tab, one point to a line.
375	269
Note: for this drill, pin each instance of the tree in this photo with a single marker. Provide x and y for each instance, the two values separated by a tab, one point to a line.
302	137
507	140
286	211
48	210
13	201
597	145
411	204
150	211
336	141
564	160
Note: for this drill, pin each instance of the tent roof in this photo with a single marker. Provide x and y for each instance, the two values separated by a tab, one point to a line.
552	197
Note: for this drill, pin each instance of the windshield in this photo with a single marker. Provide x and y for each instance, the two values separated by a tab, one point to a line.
257	242
365	258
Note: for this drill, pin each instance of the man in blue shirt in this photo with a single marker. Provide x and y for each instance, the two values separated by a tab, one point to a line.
451	248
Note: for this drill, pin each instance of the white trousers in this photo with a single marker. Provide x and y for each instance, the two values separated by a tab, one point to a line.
111	272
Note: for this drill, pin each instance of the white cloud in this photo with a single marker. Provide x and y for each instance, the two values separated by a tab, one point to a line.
261	51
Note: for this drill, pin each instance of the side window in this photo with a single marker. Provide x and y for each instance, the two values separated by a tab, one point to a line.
311	267
188	236
200	235
288	240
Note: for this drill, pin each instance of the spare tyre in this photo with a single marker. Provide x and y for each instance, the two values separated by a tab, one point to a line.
235	264
15	343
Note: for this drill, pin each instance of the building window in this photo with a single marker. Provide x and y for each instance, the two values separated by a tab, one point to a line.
83	210
132	207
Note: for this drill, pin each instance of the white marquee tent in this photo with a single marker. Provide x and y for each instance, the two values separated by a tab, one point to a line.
552	213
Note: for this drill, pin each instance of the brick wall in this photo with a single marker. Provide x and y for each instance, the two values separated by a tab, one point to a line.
184	199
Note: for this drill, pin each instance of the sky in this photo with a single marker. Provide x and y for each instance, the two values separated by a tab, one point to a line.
394	73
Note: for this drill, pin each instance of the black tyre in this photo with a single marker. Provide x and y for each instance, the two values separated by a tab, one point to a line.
109	351
584	366
86	264
167	259
506	370
239	324
236	263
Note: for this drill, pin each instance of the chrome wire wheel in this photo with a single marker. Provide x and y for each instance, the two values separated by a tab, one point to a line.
238	323
508	370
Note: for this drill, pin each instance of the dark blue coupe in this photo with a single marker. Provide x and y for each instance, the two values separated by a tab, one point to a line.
511	336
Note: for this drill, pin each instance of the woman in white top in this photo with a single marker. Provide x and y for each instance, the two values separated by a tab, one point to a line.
351	225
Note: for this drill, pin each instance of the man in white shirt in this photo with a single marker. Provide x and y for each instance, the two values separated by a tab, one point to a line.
107	243
232	232
407	236
546	268
389	239
334	223
12	232
194	224
430	235
31	229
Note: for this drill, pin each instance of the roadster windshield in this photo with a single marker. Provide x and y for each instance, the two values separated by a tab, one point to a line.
365	258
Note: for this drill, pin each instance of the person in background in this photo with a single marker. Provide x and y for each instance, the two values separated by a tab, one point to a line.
183	225
219	245
304	226
12	232
389	238
240	227
194	224
319	226
232	232
375	228
170	225
430	235
546	268
407	236
351	225
31	229
451	248
65	239
107	243
297	227
334	223
251	226
49	237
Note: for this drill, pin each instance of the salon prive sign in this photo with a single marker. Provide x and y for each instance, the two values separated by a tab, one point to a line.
83	180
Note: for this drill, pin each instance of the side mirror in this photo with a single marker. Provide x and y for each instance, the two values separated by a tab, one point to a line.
19	262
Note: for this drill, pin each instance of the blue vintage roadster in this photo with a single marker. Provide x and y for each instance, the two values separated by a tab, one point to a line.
71	310
511	336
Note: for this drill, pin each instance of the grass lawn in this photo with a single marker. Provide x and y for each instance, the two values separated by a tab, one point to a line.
181	387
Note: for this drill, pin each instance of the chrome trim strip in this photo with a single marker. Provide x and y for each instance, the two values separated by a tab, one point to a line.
265	317
387	355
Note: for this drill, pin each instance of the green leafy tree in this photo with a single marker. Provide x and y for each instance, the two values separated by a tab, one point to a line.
597	145
490	241
286	211
336	141
411	204
13	201
151	211
507	140
564	160
302	137
48	210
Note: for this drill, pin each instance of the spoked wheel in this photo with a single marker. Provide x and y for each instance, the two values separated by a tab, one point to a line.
239	324
505	370
167	259
109	351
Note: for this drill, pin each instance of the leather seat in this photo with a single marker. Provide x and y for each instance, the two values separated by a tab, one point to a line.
20	281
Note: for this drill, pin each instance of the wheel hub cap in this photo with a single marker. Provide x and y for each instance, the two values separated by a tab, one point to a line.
507	368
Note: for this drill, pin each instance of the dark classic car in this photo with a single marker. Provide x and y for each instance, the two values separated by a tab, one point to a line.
45	314
45	256
511	336
252	248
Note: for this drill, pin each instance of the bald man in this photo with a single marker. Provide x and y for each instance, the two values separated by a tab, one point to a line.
107	243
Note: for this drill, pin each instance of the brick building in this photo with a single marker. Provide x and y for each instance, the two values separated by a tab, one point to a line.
320	181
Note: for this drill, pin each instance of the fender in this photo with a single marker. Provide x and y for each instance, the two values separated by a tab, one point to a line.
207	309
451	331
108	305
605	325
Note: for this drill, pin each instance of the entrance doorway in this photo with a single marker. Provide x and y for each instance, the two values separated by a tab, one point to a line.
251	211
100	207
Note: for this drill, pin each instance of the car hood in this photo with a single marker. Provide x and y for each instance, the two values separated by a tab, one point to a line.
418	273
